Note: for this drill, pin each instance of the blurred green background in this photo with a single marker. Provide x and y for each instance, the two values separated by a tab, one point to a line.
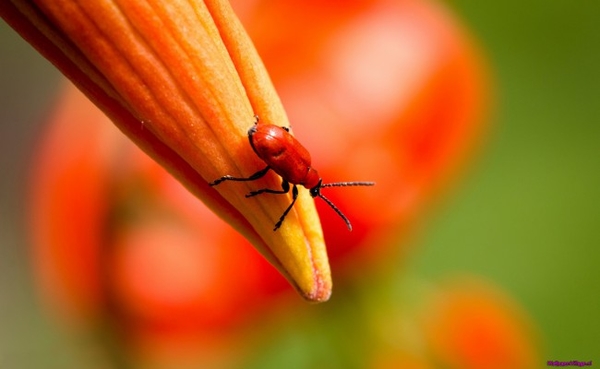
527	215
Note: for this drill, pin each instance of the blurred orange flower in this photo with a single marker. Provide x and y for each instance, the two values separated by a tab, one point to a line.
460	323
388	91
472	325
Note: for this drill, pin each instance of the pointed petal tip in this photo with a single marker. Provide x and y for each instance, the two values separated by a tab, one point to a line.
321	291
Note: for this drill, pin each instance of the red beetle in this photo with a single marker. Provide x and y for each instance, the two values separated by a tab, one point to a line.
288	158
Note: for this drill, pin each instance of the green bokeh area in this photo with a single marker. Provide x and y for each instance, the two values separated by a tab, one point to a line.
528	215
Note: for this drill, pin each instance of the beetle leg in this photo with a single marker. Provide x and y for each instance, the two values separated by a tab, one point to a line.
285	188
294	197
253	177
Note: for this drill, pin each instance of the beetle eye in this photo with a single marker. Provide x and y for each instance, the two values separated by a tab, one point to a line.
314	192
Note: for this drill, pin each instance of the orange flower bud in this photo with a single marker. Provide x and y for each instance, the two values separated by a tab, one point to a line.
183	81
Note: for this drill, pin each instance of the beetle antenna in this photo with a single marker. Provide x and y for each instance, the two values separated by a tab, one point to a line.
336	210
347	184
316	191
